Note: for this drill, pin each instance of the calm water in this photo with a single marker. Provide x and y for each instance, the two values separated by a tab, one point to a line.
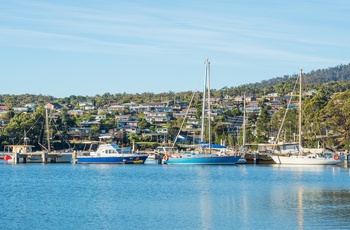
150	196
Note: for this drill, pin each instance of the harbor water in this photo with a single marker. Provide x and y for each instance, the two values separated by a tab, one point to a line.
152	196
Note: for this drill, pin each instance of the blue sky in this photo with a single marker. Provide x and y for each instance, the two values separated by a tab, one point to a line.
91	47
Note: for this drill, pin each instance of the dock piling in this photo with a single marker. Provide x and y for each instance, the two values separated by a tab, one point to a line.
44	157
160	158
74	156
16	157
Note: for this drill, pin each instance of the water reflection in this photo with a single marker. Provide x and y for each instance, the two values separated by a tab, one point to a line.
204	197
323	207
300	209
310	168
176	197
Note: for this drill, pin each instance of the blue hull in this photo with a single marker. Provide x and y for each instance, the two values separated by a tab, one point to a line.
204	160
110	160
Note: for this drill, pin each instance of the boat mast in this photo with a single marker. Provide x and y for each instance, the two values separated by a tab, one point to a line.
204	98
300	82
244	121
47	131
209	109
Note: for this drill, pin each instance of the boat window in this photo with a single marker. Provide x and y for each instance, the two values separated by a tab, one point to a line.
289	147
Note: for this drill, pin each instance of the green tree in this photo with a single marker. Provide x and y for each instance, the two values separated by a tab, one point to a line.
94	133
337	113
143	124
262	126
133	137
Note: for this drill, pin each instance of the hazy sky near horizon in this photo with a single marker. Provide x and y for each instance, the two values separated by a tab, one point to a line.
63	48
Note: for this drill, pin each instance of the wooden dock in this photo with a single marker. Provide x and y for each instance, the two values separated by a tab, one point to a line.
24	154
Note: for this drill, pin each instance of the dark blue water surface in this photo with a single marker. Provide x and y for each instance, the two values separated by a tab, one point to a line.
151	196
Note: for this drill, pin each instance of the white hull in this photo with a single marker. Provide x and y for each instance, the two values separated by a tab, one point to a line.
305	160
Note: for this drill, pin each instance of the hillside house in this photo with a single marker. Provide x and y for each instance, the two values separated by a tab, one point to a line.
77	112
100	117
154	105
139	108
78	133
179	115
128	129
4	109
179	106
31	106
123	117
252	109
229	104
250	99
114	108
164	109
89	123
131	122
162	130
21	109
53	106
87	106
238	99
156	117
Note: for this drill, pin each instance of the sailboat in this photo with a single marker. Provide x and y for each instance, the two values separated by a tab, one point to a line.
300	158
204	156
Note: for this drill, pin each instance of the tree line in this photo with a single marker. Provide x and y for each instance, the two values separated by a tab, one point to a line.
326	113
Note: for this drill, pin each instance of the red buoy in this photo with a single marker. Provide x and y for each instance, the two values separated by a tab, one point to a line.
7	157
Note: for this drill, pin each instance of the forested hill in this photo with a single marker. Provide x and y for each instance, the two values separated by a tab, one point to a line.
315	77
338	73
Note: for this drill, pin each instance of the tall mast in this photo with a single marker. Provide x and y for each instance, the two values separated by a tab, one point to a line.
47	130
209	109
204	98
244	121
300	82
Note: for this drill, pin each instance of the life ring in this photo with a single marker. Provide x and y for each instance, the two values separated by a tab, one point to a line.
336	156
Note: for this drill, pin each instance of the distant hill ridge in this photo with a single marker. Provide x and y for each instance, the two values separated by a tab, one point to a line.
312	80
337	73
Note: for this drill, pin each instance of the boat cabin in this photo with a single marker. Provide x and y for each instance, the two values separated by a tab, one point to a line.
166	149
279	148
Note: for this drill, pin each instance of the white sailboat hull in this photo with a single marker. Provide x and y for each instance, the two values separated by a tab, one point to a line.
305	160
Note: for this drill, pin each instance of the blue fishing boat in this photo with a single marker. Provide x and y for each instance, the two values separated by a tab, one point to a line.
111	153
205	155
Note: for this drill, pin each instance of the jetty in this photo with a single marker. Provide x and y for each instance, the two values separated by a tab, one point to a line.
23	154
